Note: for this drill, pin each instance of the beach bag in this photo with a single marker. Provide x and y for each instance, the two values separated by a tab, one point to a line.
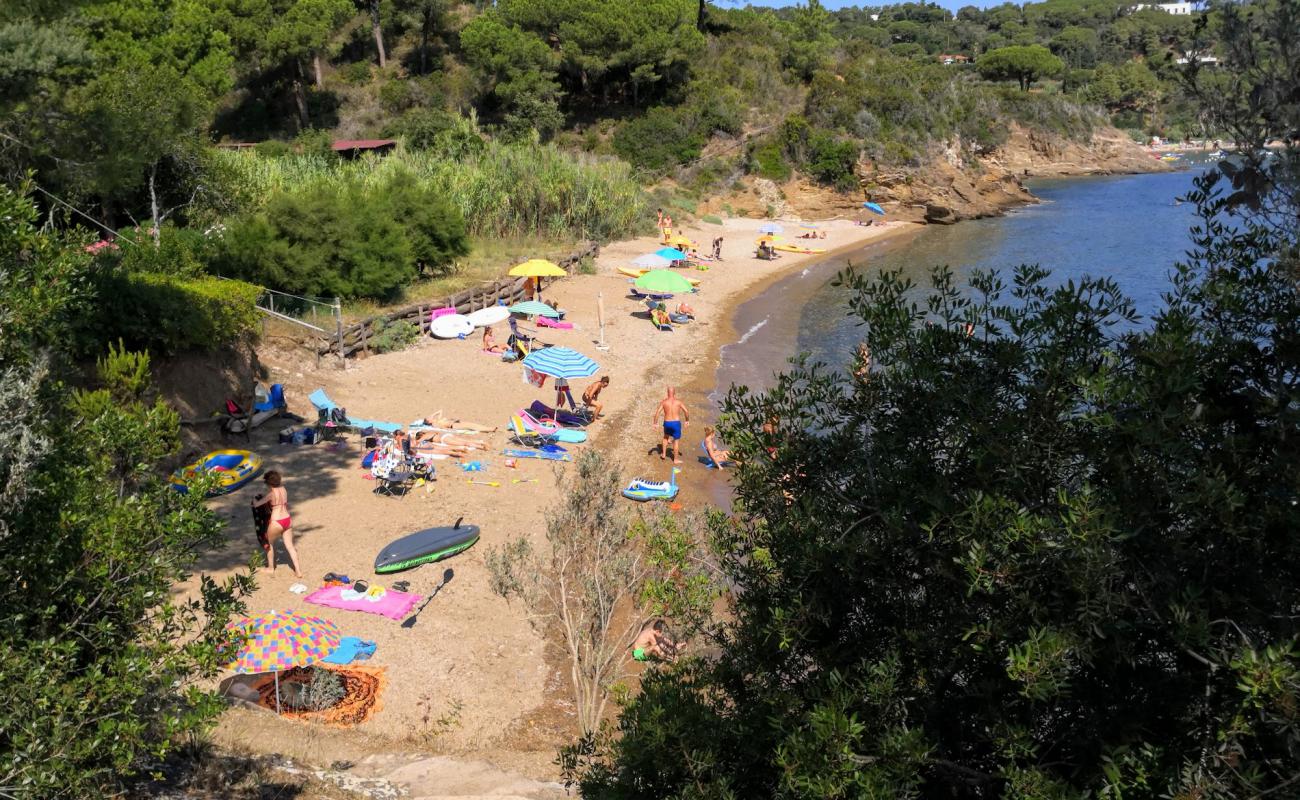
368	460
339	416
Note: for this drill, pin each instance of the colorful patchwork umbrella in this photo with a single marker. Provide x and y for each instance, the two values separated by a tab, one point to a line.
560	362
874	208
770	227
533	308
651	261
282	640
661	280
670	254
537	268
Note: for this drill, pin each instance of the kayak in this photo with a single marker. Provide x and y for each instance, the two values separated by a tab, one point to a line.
794	248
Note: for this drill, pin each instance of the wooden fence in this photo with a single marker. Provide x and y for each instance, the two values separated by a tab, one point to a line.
356	338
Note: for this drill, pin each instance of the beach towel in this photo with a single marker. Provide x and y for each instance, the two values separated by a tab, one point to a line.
534	378
543	322
351	649
545	455
393	604
322	402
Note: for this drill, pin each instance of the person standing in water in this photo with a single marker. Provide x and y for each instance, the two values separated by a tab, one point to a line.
281	523
675	415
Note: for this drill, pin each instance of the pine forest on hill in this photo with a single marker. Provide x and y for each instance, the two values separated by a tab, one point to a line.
119	108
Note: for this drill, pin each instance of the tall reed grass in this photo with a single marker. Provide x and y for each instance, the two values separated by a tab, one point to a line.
504	190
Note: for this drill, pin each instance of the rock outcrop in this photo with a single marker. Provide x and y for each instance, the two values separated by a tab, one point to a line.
949	187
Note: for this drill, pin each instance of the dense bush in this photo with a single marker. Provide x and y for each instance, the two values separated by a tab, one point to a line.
162	313
394	335
348	240
102	662
658	141
438	130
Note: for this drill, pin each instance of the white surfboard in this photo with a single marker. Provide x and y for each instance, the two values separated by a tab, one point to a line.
488	316
451	326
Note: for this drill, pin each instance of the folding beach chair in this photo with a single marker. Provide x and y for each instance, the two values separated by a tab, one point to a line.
520	433
551	432
392	477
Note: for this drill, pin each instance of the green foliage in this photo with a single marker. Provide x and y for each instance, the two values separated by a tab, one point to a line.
389	337
712	219
433	129
356	73
657	141
503	190
1025	64
350	240
102	663
168	314
767	160
323	690
1029	550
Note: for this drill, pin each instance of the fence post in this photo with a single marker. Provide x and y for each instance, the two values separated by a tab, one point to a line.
338	332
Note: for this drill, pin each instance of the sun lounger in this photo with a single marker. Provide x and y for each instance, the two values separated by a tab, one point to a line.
551	432
543	322
324	405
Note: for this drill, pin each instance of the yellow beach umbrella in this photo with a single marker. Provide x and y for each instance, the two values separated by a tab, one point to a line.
537	268
679	241
768	239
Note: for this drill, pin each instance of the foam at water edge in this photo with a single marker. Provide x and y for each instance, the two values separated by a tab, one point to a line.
753	329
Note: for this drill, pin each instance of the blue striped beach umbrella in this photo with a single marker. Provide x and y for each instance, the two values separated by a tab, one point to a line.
533	308
560	362
671	254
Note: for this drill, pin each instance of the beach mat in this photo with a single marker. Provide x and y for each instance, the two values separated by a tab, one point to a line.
393	605
363	688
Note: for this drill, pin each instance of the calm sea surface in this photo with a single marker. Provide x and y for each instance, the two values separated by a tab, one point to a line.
1129	228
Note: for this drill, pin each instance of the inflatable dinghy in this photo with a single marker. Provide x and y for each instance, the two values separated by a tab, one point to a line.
643	491
233	469
425	547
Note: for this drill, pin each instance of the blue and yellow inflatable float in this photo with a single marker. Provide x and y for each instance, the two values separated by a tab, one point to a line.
232	468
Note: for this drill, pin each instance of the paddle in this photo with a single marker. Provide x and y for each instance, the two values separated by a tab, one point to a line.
447	575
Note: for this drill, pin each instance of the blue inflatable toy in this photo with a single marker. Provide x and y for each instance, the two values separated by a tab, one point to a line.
643	491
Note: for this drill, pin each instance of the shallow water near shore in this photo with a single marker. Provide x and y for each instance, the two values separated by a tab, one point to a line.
1130	228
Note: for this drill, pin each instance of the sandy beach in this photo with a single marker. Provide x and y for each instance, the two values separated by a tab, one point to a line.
472	677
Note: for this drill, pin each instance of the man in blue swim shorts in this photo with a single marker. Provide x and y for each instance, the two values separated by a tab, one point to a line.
675	415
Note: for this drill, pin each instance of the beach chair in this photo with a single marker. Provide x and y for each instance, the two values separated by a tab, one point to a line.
393	478
551	432
520	434
325	408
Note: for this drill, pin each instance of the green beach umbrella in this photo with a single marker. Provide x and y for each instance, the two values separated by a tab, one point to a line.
661	280
533	308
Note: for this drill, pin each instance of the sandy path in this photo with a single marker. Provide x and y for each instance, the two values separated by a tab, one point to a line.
472	656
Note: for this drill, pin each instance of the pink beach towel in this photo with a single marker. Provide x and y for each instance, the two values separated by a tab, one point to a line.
543	322
393	605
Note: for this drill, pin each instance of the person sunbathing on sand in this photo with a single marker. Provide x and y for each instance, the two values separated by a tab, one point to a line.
685	310
447	439
442	422
490	341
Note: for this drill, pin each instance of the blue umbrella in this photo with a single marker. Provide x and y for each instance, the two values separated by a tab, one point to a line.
874	208
533	308
671	254
771	227
652	261
560	362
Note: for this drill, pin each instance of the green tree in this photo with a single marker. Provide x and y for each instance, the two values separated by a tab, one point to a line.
1076	46
517	69
1025	64
101	661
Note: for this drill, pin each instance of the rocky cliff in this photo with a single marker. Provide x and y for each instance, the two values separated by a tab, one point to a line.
950	187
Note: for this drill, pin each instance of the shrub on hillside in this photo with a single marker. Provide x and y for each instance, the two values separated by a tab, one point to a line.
168	314
394	335
345	240
658	141
435	129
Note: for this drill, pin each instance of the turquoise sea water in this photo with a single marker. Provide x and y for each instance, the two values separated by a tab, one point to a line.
1130	228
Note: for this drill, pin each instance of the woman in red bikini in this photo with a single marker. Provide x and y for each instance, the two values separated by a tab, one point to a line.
280	521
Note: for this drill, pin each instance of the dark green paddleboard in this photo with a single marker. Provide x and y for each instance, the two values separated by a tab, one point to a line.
425	547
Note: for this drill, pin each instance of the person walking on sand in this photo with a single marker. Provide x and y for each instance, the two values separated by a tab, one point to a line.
591	396
278	499
675	415
717	249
